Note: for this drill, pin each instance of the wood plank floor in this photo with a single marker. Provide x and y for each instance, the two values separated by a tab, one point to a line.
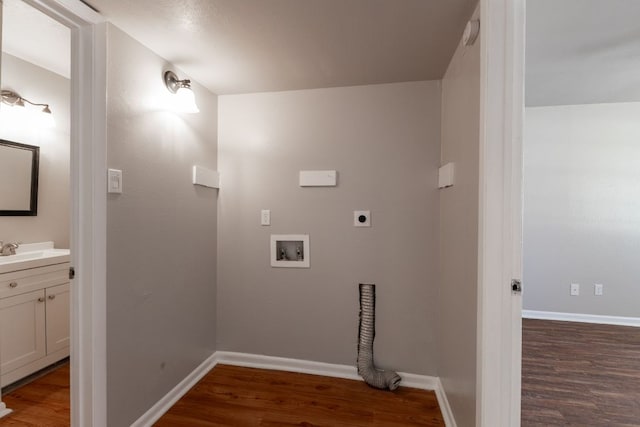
580	374
574	374
44	402
233	396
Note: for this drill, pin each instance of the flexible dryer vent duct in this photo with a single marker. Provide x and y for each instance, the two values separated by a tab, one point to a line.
366	334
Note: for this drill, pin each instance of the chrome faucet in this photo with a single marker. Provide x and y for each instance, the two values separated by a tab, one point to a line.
7	249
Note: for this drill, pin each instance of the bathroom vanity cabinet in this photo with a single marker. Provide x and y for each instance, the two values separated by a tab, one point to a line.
34	319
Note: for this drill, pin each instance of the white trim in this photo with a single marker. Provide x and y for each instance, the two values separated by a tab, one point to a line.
3	410
445	408
163	405
259	361
89	237
583	318
500	213
289	365
71	13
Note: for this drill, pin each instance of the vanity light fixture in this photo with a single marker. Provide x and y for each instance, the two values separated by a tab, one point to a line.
13	99
185	99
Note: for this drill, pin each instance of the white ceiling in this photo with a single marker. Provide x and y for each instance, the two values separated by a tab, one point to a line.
578	51
34	37
239	46
582	51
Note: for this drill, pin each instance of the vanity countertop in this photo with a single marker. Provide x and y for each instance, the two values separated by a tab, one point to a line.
33	255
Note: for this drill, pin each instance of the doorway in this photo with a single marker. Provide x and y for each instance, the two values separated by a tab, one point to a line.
35	112
581	216
88	210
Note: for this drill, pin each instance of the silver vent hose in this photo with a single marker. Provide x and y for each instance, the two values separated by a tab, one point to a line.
366	334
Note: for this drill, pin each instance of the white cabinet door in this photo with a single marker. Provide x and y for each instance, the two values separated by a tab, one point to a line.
22	330
58	311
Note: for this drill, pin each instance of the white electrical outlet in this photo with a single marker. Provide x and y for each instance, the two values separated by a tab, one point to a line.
575	289
598	289
265	217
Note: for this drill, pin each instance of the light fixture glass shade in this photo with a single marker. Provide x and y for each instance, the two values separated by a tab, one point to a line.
185	101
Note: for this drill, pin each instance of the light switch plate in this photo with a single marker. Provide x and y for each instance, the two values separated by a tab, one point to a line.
265	217
114	181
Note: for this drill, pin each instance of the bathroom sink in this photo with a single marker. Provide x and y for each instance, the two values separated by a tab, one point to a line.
25	256
33	255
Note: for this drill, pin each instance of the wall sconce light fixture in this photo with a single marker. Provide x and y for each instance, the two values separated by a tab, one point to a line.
12	99
185	99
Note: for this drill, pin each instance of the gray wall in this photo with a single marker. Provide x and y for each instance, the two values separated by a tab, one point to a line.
459	234
42	86
384	140
582	208
161	233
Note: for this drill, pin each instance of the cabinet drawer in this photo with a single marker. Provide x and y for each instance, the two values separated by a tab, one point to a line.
19	282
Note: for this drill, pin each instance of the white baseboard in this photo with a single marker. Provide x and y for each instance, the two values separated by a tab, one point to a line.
4	410
584	318
259	361
290	365
163	405
443	402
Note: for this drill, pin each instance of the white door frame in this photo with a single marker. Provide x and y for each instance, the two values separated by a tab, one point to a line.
500	241
88	207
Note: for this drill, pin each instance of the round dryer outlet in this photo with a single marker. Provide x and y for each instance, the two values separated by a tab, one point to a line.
362	218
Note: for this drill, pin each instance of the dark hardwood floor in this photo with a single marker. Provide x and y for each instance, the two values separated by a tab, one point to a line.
43	402
574	374
233	396
580	374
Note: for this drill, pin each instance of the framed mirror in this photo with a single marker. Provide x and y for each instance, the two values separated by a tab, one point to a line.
19	165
